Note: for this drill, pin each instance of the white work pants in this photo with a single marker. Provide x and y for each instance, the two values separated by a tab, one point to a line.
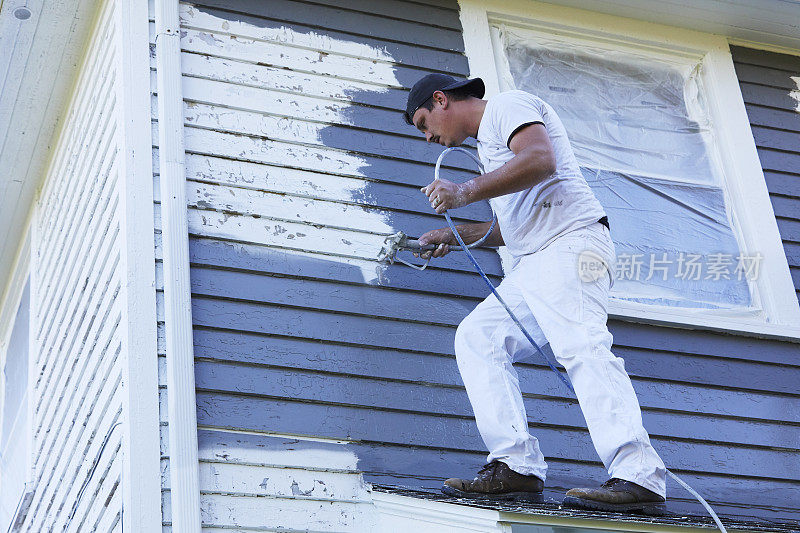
557	304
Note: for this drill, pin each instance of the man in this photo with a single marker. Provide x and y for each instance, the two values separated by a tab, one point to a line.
548	219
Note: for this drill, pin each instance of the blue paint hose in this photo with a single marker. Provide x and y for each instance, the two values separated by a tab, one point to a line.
528	336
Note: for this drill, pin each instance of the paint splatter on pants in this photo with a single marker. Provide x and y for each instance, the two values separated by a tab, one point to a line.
559	301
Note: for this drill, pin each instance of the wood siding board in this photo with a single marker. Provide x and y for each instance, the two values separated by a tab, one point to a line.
331	296
783	183
80	119
792	253
305	237
320	186
789	228
334	420
296	513
784	119
82	309
208	103
343	214
337	386
787	207
780	160
426	467
392	363
263	259
702	342
77	253
429	338
86	195
764	58
213	144
767	96
776	139
84	313
75	377
78	437
284	81
326	18
301	36
764	76
343	139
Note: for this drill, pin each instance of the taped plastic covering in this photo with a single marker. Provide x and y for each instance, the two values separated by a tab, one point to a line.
643	137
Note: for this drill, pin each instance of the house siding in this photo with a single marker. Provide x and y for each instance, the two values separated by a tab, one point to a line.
76	313
770	84
298	164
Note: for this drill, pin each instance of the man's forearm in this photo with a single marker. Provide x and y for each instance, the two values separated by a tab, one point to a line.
521	172
472	232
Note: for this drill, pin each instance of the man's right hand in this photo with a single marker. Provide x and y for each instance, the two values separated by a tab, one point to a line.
442	237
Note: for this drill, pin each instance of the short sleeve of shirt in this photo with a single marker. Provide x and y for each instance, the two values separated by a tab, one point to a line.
513	111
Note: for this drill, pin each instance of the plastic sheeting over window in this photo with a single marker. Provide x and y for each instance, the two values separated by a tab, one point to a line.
642	135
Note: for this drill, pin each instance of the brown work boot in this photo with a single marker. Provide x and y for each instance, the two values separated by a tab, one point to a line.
496	481
617	495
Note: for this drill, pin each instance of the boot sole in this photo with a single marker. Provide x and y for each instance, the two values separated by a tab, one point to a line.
648	508
529	497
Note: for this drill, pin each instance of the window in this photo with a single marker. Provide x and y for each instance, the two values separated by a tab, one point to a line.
658	126
14	420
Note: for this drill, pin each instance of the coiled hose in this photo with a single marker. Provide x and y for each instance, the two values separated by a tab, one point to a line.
565	380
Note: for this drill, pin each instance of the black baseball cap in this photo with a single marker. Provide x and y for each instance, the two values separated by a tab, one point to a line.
425	87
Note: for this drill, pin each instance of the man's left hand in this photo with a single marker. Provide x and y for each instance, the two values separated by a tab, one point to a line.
444	195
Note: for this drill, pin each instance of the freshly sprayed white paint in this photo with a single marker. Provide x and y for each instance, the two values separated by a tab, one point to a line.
314	486
795	93
745	184
193	18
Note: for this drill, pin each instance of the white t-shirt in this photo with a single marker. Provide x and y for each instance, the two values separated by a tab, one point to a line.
530	219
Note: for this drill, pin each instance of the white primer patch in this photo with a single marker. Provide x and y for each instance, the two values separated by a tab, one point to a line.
795	93
334	58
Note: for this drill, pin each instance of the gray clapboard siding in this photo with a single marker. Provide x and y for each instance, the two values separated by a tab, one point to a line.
295	144
76	394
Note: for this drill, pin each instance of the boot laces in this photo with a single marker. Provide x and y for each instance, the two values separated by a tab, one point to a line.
487	467
611	482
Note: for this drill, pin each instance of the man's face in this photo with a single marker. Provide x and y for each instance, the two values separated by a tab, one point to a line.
439	124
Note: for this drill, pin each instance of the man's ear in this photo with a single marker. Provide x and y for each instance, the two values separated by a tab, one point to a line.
441	98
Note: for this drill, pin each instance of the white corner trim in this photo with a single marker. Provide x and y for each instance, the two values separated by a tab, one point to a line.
745	184
141	474
181	402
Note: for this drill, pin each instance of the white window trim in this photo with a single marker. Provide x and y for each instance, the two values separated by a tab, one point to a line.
9	306
745	185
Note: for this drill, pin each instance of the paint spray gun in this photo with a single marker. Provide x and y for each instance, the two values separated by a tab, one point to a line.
401	242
